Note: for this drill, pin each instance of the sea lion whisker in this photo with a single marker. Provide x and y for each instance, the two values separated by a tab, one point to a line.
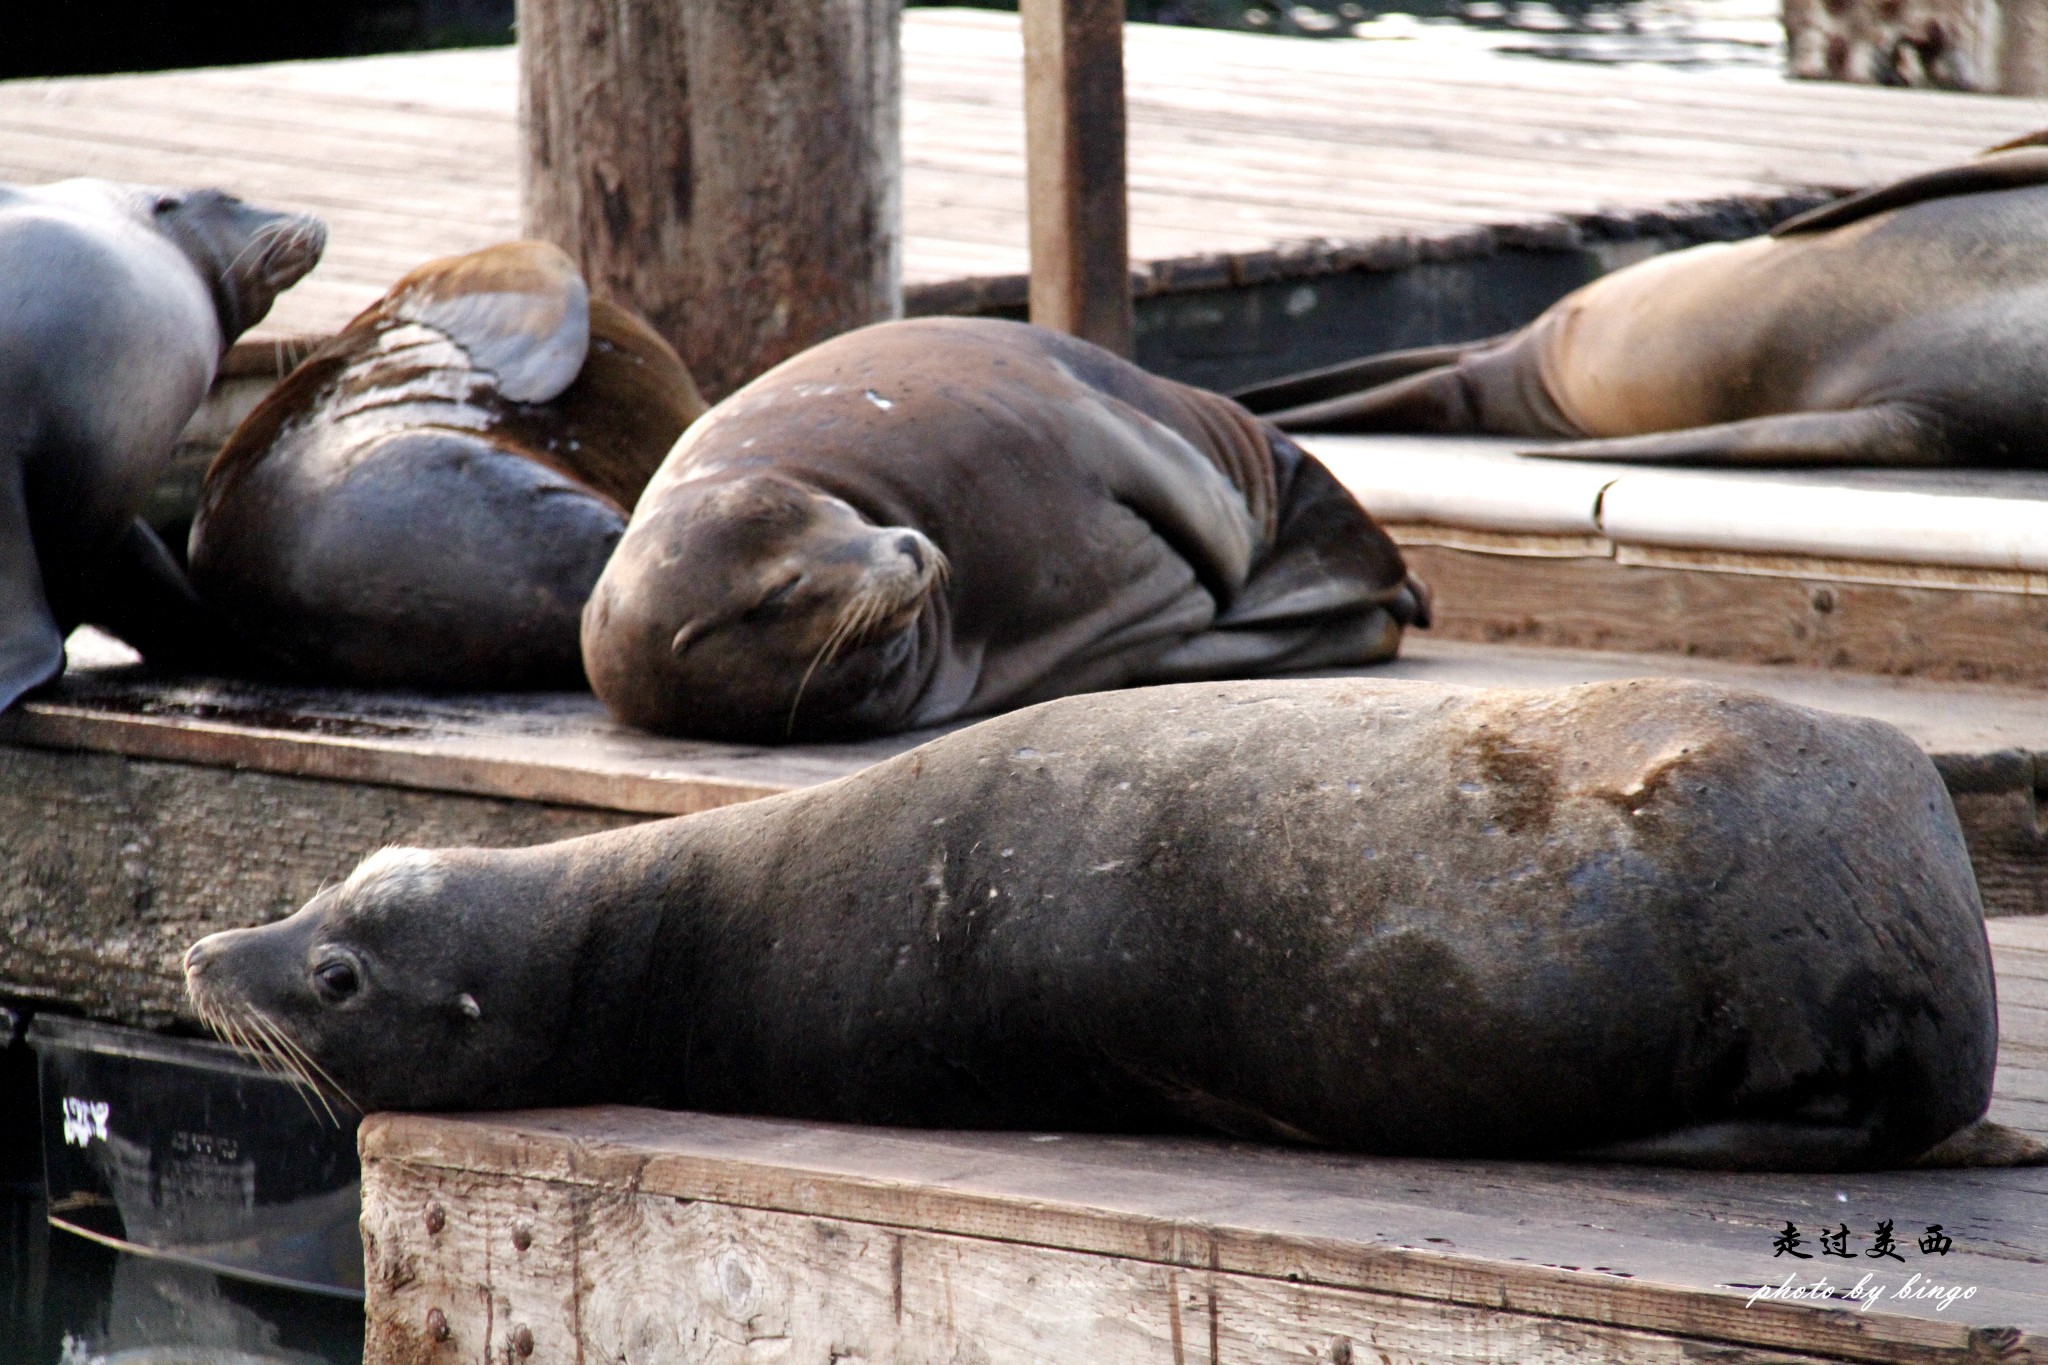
302	1065
277	1064
840	632
307	1063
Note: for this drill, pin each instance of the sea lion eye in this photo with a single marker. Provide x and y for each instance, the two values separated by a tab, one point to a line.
775	598
169	203
336	979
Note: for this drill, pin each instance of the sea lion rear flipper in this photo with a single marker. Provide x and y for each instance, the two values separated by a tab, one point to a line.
1984	1143
1353	376
1438	400
1889	434
31	645
520	310
1997	169
144	598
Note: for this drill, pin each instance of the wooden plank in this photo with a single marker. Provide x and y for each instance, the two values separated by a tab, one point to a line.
1381	1245
1239	145
1074	136
111	868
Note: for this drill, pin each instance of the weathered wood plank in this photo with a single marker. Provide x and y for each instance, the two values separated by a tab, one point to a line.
1238	144
664	1278
110	868
1629	1250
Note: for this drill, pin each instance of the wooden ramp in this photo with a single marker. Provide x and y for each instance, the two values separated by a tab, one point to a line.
632	1235
1252	158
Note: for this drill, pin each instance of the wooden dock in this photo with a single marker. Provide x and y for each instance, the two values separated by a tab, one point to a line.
1253	160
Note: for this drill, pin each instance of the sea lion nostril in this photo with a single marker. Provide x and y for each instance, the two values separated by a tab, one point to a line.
909	546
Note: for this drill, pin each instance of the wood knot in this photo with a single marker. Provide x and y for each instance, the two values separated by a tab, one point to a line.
522	1340
522	1237
436	1219
437	1324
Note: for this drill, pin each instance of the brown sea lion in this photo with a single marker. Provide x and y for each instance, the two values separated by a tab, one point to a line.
116	305
939	518
1655	920
426	501
1904	326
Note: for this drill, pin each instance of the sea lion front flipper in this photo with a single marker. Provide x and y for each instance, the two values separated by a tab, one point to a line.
31	645
1889	435
520	310
1437	400
1995	170
1353	376
1984	1143
141	596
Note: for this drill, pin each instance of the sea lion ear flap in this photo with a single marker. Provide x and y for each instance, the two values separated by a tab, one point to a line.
520	309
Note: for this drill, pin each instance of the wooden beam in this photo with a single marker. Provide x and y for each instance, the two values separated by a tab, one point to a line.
1074	150
731	171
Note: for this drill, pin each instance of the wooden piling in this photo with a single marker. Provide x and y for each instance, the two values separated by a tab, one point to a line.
1074	137
729	168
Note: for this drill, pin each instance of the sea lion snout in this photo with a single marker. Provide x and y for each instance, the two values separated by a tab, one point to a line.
248	255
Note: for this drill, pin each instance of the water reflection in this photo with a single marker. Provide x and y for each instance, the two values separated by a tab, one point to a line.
69	1301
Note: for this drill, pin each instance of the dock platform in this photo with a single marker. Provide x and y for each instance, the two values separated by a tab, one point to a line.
623	1234
1292	201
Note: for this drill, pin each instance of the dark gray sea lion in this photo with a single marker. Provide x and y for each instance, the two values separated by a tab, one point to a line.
1653	920
1905	326
925	520
116	304
428	499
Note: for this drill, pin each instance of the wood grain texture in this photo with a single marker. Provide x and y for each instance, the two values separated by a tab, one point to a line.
1596	603
1250	157
1298	1249
728	168
568	1272
110	868
1074	159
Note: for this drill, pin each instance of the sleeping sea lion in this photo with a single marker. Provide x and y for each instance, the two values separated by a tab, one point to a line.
116	304
1904	326
945	517
1654	920
426	501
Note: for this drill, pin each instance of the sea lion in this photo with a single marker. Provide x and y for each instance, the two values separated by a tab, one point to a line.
1657	920
116	303
925	520
1903	326
427	500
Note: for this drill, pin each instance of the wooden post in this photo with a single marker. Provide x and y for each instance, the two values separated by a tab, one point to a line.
729	168
1074	151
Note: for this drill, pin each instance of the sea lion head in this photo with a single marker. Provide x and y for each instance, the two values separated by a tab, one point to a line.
247	255
429	979
750	606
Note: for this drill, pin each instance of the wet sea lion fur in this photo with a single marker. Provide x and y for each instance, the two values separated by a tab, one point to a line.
117	303
427	500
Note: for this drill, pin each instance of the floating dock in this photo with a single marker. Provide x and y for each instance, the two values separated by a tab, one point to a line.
1292	202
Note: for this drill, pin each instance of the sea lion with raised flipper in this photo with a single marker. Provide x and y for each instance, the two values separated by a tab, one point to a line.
926	520
1904	326
1654	920
427	500
117	302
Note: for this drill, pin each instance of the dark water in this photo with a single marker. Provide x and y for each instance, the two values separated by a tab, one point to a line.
63	37
68	1301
